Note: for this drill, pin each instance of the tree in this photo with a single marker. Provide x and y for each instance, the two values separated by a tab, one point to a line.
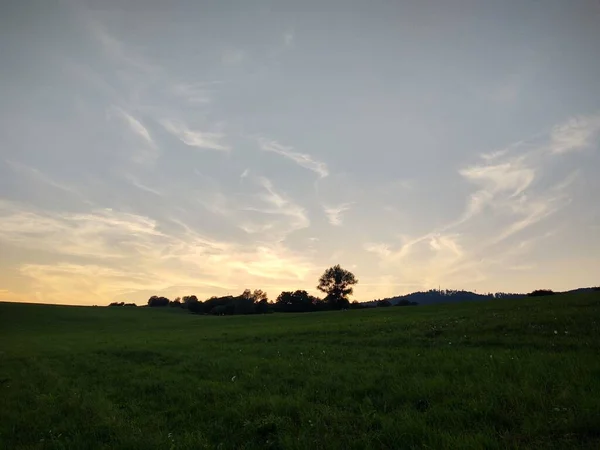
337	284
261	301
192	304
187	300
298	301
156	301
259	295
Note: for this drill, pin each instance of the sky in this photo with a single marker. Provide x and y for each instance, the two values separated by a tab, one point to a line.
204	147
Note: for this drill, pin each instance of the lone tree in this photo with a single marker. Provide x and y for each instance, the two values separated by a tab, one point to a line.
337	284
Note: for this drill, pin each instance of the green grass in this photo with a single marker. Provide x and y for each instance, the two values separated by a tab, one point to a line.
505	374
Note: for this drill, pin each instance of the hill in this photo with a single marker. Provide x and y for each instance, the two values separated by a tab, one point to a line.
496	374
435	296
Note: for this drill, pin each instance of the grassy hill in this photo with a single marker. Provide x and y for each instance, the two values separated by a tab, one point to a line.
501	374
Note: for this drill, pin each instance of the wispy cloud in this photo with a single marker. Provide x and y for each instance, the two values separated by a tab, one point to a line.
112	46
512	176
36	174
134	125
261	209
334	213
576	134
134	181
516	188
442	243
194	138
302	159
275	203
72	233
106	254
381	249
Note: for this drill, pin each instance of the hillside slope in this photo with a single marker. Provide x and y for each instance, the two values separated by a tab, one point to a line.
500	374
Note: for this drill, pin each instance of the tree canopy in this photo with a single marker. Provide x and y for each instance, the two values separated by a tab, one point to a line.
338	284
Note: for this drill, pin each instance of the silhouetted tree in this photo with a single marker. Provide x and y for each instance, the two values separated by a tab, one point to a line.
259	295
156	301
298	301
541	293
243	304
187	300
176	303
219	310
194	305
261	302
337	284
383	303
262	306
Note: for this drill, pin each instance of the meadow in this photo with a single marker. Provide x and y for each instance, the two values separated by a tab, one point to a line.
500	374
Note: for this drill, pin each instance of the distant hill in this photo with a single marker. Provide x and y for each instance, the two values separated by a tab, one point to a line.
435	296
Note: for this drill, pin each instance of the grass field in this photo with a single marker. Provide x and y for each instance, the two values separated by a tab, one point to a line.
505	374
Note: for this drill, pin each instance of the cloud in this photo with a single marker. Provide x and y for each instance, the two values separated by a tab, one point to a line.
41	177
194	138
334	213
302	159
98	234
261	210
103	255
381	249
134	125
512	176
132	179
515	189
388	255
441	243
575	134
273	204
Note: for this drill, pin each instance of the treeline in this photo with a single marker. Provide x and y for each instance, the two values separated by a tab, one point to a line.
335	282
381	304
541	293
250	302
